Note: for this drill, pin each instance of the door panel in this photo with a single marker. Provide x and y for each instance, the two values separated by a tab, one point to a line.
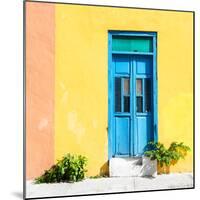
122	125
143	131
144	65
122	64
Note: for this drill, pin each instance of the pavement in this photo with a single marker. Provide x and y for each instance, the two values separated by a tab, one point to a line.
110	185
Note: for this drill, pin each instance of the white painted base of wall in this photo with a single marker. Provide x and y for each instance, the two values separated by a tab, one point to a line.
133	166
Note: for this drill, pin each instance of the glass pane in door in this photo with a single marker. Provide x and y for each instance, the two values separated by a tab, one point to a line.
118	94
126	86
147	95
139	87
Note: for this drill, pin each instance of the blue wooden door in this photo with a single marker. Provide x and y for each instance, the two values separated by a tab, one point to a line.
143	96
133	96
122	108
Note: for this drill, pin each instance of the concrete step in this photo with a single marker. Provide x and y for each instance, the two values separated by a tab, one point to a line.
132	166
124	167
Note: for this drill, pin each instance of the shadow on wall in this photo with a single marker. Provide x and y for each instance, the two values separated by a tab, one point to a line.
104	170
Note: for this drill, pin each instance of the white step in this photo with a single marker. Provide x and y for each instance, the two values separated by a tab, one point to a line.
132	166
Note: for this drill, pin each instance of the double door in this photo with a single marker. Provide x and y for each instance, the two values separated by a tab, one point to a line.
132	111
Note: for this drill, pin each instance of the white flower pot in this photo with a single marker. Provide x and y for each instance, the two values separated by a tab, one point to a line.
149	167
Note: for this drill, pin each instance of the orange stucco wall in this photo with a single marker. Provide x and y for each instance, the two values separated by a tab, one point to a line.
39	87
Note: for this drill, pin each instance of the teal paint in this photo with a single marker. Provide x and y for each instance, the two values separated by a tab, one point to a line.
132	43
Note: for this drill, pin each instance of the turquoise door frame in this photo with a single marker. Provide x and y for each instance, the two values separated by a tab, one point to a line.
126	122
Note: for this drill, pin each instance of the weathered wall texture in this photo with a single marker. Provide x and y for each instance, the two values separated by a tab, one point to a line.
81	79
39	87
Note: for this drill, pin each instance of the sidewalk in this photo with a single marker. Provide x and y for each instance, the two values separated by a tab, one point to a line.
110	185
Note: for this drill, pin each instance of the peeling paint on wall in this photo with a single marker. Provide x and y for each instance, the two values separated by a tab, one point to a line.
75	126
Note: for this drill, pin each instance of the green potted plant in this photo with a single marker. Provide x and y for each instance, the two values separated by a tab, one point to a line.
166	156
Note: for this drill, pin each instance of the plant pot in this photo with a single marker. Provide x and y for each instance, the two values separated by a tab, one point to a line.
149	167
164	169
173	162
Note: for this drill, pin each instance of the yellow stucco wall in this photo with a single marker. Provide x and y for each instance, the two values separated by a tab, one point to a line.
81	77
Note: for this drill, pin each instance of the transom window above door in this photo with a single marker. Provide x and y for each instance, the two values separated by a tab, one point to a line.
132	44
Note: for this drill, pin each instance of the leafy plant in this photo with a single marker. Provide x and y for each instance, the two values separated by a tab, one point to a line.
180	151
70	168
164	156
